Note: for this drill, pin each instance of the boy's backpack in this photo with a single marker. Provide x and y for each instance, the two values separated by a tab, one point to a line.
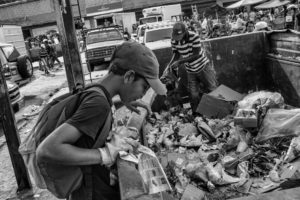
60	180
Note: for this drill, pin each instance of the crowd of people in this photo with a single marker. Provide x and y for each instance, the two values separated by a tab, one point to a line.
47	52
245	21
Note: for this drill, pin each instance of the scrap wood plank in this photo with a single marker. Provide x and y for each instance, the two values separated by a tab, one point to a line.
130	181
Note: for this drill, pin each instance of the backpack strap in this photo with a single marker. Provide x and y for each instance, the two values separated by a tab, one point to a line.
100	141
107	125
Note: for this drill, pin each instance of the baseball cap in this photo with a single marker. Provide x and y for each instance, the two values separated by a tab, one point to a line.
178	31
139	58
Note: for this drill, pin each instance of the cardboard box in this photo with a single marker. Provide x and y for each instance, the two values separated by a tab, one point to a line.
219	103
246	122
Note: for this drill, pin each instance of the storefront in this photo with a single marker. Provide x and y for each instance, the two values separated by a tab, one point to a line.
99	15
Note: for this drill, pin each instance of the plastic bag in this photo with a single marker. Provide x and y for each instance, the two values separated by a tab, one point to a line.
251	99
279	123
294	150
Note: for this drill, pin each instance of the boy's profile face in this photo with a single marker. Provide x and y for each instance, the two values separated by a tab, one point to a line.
132	88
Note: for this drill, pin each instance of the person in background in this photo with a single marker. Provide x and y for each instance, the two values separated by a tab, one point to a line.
51	50
45	58
290	17
297	19
133	69
187	51
240	23
249	27
252	16
245	15
192	27
126	35
210	25
204	23
106	23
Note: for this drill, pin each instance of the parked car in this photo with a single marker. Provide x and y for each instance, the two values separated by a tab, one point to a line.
7	52
158	35
100	45
16	67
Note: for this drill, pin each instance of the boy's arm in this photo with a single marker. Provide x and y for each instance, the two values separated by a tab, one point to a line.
58	148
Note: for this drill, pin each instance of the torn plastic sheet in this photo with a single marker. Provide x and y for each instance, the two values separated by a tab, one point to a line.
279	123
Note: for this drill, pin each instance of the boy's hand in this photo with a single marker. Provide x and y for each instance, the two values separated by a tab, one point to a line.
175	65
112	148
133	106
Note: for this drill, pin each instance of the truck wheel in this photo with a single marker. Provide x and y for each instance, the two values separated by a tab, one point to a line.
25	67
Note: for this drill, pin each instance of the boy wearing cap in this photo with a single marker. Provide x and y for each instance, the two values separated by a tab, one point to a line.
187	50
133	69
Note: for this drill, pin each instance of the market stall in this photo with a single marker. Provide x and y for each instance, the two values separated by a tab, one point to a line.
244	3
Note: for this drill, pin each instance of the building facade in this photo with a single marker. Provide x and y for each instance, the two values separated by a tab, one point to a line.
38	16
35	16
99	11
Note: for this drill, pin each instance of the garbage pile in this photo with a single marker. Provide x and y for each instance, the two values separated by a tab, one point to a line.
249	151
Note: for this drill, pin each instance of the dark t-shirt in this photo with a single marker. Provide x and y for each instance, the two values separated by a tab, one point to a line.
89	119
50	50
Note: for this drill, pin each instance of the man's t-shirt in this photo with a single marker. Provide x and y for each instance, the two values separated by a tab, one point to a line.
185	49
89	119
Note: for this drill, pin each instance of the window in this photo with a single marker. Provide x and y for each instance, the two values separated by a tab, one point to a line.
10	52
102	36
159	34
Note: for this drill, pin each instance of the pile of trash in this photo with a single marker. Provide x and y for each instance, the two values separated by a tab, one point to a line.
250	151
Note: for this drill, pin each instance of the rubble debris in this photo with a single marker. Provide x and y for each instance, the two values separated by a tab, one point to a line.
31	111
222	157
246	118
191	192
261	99
279	123
204	129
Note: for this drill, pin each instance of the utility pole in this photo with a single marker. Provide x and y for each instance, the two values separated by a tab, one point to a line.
9	127
71	54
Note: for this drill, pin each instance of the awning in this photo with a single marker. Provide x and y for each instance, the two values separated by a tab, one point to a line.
272	4
244	3
105	12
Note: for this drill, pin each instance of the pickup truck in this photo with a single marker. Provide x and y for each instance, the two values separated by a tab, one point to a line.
100	45
158	35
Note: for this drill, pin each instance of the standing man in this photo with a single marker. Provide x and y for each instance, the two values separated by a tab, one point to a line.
126	34
187	50
44	56
133	69
51	50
